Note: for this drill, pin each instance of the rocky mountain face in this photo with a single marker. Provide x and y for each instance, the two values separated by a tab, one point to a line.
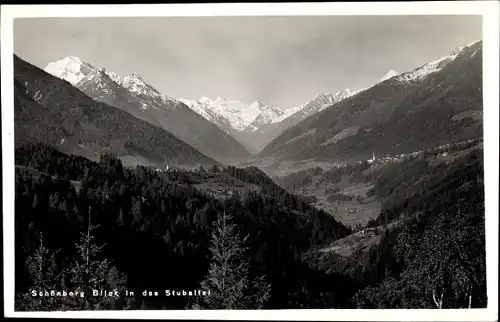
136	97
256	124
50	110
241	120
437	103
230	131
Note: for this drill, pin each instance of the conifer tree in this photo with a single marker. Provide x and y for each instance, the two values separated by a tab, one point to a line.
42	278
228	278
89	273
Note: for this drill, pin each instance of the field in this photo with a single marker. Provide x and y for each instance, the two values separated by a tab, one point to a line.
345	201
359	241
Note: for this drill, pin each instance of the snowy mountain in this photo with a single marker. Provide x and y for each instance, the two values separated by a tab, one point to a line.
390	74
325	100
436	103
236	115
82	74
252	124
71	69
434	66
269	115
256	124
134	95
51	111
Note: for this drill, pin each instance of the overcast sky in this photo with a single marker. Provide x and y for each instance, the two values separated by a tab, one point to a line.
283	61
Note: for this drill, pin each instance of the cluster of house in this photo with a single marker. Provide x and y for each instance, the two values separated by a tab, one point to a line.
395	158
166	169
352	210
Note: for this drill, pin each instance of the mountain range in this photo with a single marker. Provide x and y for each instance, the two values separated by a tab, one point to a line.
241	120
256	124
50	110
437	103
241	127
133	95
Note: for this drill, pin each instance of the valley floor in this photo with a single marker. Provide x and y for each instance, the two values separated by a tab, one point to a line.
355	212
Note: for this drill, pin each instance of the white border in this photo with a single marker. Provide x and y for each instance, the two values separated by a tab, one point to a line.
488	9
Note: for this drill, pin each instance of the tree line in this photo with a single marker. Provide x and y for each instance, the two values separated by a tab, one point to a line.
148	221
150	230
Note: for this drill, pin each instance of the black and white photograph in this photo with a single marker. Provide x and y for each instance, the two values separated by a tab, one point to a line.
267	161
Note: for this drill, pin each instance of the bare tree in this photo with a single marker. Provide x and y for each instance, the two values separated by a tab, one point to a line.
438	300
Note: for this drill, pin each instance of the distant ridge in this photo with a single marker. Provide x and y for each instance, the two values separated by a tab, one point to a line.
50	110
135	96
437	103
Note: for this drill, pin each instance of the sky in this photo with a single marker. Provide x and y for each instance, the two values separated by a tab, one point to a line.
283	61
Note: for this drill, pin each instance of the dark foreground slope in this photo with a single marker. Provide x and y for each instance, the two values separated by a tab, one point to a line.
50	110
156	229
395	116
427	244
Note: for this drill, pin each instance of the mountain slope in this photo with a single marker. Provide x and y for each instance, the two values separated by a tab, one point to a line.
255	125
323	101
241	120
389	74
50	110
133	95
236	115
439	102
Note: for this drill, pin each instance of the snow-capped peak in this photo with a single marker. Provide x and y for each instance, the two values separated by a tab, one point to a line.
432	66
234	114
259	105
117	79
74	58
319	103
136	84
134	77
203	99
389	74
326	100
83	75
71	69
473	43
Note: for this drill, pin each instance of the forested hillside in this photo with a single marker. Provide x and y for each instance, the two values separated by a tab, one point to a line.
393	117
434	256
156	232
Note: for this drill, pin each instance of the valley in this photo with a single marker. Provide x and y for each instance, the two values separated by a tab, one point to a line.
134	96
345	191
398	115
333	203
